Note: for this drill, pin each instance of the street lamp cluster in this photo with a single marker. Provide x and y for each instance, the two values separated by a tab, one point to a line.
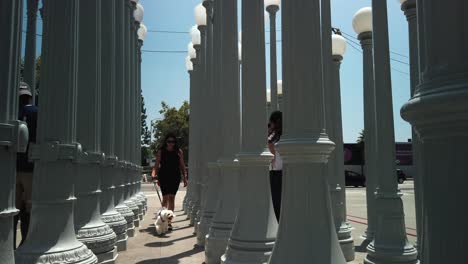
313	135
86	193
86	196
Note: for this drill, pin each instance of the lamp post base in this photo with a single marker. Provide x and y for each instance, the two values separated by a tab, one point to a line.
78	255
108	257
121	242
248	252
346	242
125	211
216	243
253	241
390	244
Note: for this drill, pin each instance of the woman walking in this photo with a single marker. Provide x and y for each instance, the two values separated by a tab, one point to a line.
169	167
275	129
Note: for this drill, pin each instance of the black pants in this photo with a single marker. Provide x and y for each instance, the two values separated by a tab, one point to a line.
24	217
275	184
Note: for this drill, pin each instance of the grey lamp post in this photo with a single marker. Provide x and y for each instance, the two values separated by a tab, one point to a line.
272	7
13	134
136	111
190	66
89	227
335	166
253	241
142	31
218	236
30	48
362	24
409	9
128	106
195	35
108	92
208	84
389	244
201	20
280	95
120	206
212	142
305	147
438	112
51	237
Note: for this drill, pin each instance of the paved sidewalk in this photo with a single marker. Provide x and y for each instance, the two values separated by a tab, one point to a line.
175	247
178	246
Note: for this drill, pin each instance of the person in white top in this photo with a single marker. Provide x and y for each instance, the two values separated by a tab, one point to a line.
275	129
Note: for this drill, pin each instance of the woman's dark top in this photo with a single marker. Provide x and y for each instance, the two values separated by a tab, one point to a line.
169	175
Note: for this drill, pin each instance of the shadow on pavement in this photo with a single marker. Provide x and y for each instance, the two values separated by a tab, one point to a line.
363	247
167	243
173	259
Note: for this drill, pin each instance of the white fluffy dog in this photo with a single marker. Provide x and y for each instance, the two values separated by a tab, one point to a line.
162	222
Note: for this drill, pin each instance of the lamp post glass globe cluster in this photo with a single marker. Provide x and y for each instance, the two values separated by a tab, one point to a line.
188	63
195	35
362	21
338	45
142	31
138	13
191	51
200	15
272	3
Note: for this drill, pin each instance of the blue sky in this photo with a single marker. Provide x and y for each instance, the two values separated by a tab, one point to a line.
164	77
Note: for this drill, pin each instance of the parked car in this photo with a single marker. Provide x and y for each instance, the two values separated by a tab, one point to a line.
356	179
401	176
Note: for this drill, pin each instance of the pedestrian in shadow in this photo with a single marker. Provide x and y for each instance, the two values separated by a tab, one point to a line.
169	168
275	130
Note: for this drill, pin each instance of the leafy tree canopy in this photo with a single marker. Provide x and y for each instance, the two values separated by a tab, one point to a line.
174	121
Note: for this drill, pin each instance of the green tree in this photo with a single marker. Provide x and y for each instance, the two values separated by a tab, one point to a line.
145	136
145	132
175	121
38	72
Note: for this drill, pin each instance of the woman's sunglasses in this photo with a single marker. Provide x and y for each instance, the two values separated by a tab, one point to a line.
170	142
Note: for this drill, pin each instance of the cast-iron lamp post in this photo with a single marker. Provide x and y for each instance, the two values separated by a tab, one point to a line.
194	207
272	7
335	164
362	24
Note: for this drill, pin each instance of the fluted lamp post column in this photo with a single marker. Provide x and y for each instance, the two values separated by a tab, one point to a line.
220	230
253	241
120	206
141	32
272	7
390	244
194	206
213	142
109	214
362	24
51	237
438	111
13	134
335	166
130	6
194	76
409	9
30	47
305	147
136	111
89	227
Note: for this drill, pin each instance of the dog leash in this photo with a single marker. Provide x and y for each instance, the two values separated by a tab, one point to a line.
157	191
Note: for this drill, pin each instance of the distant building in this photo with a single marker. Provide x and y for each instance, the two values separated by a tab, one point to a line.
354	157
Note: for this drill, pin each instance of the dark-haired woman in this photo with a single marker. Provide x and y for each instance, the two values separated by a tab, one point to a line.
275	129
169	167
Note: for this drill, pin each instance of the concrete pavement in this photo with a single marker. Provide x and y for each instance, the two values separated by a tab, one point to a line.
177	247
